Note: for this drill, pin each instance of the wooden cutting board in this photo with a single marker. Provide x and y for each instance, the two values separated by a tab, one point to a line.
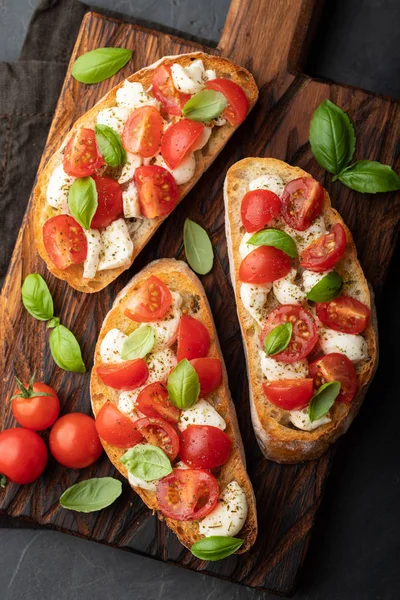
270	39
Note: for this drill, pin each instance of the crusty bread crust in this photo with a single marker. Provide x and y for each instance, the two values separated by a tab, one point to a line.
278	440
204	157
178	276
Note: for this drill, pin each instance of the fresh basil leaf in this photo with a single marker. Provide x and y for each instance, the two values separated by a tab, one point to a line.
92	494
322	401
216	547
53	323
110	145
370	177
147	462
183	385
332	137
278	339
276	238
65	350
36	297
205	106
198	248
139	343
82	200
100	64
328	288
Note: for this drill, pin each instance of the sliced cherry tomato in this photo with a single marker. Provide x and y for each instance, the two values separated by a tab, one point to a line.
179	140
150	302
238	105
264	265
143	132
258	208
344	314
82	156
336	367
204	447
127	375
64	241
193	339
115	428
187	494
159	433
209	371
153	401
164	90
326	251
290	394
304	336
74	441
302	201
23	455
110	205
35	405
157	189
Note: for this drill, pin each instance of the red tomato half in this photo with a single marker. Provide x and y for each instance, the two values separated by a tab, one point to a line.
264	265
179	140
336	367
115	428
82	156
157	189
204	447
150	302
238	105
258	208
109	197
304	336
302	201
127	375
159	433
153	401
209	371
326	251
74	441
187	494
64	241
33	411
164	90
290	394
344	314
23	455
193	339
143	131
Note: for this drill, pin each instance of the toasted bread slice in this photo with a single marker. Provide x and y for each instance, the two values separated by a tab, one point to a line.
178	277
277	438
204	157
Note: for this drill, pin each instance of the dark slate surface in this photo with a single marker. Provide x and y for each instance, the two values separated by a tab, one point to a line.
355	548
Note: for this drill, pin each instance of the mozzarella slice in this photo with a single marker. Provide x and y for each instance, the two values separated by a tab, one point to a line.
304	238
209	74
273	183
203	139
130	200
132	95
230	514
58	188
117	246
141	483
166	329
133	161
310	279
114	117
354	347
301	420
287	292
184	172
188	80
111	346
219	121
160	365
201	413
93	253
127	403
274	370
245	248
254	298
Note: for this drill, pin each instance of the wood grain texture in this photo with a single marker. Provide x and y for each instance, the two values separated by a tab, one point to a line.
259	35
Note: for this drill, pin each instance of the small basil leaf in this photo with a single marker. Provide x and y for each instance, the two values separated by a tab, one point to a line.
216	547
82	200
205	106
53	323
147	462
139	343
92	494
183	385
332	137
370	177
198	247
65	350
328	288
100	64
110	145
36	297
322	401
278	339
276	238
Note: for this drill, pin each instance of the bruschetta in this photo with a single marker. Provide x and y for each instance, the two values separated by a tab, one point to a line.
128	161
305	309
151	401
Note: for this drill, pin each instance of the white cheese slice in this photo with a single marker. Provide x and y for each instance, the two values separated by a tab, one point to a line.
245	248
301	420
354	347
230	514
141	483
133	161
201	413
304	238
160	365
254	298
287	292
58	188
94	247
188	80
132	95
184	172
310	279
127	403
117	246
130	200
111	346
203	139
166	329
115	117
273	183
209	75
274	370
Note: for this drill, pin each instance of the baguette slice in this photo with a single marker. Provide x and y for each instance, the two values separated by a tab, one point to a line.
204	157
178	277
277	438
